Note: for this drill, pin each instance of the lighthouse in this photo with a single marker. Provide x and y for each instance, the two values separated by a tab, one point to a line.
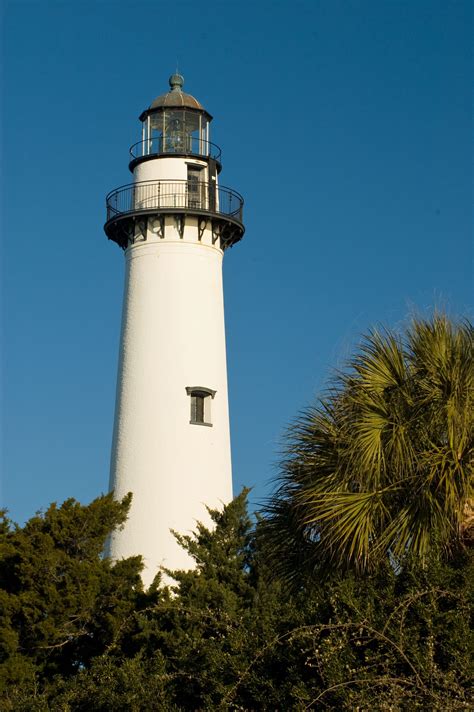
171	440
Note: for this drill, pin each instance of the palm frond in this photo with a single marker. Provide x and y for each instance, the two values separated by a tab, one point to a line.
383	465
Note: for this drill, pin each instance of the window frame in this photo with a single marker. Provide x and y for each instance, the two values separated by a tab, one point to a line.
207	395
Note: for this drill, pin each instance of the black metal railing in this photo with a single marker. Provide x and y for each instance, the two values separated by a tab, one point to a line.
180	195
187	145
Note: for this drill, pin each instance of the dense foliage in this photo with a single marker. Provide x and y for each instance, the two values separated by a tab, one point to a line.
371	526
78	633
382	467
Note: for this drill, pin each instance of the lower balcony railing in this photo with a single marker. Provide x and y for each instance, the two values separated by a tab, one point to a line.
182	195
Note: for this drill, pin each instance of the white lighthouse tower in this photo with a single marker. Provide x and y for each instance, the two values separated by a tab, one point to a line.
171	443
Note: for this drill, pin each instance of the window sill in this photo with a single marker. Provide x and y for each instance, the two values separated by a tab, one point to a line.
196	422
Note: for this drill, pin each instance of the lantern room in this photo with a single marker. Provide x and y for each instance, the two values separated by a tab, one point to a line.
175	124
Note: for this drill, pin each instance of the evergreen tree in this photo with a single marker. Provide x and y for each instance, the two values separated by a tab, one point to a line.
61	603
226	637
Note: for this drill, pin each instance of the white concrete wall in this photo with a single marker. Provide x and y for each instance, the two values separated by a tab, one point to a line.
168	169
172	337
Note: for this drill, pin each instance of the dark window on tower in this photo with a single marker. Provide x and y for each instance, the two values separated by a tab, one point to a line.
195	187
197	407
200	404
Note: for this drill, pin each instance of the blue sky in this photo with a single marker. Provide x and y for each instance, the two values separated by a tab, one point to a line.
345	125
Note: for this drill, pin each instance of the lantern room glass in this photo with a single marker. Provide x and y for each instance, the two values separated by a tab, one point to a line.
176	131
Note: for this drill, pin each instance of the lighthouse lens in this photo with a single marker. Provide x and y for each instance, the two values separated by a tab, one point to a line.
175	132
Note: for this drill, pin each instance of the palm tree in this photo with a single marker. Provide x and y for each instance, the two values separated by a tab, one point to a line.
381	468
